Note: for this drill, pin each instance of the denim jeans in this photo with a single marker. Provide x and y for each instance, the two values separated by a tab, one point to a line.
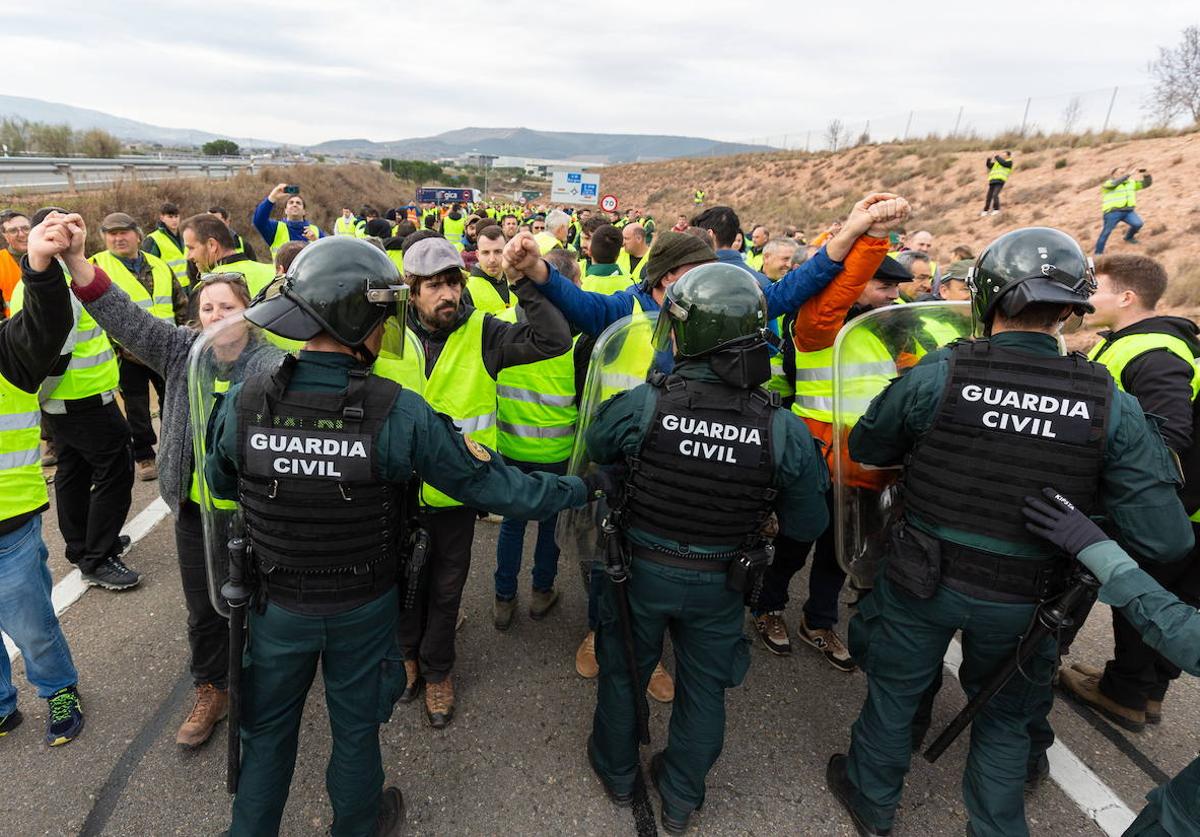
27	616
510	544
1114	217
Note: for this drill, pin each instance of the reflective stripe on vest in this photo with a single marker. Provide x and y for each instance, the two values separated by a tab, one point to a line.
172	254
1119	353
283	235
453	228
486	298
22	486
460	386
999	173
92	369
535	407
194	488
162	303
634	359
1121	195
866	370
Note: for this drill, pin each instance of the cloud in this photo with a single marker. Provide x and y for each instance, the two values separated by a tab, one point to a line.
303	71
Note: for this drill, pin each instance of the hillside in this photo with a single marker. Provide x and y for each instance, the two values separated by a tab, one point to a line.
325	189
130	130
1053	184
550	145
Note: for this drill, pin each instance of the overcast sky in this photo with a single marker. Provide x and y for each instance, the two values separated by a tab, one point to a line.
304	72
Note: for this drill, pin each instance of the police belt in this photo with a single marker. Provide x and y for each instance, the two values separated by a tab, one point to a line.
328	588
683	562
1002	578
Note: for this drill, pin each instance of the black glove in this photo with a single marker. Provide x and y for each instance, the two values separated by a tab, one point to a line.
604	482
1059	522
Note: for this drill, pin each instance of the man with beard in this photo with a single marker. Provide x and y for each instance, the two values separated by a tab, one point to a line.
462	350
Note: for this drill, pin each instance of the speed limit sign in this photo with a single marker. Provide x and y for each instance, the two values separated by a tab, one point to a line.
609	203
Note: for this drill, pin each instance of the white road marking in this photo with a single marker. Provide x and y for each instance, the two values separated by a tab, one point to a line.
68	591
1087	790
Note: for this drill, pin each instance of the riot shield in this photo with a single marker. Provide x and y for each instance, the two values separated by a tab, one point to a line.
621	359
225	354
869	352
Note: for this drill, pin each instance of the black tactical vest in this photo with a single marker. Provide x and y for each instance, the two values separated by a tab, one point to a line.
1009	425
313	499
704	473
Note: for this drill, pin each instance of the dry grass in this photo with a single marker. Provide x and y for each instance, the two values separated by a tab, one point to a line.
324	188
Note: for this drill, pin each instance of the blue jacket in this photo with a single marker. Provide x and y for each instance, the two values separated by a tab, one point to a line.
266	225
728	255
591	312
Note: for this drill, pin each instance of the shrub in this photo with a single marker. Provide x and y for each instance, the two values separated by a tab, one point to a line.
1060	163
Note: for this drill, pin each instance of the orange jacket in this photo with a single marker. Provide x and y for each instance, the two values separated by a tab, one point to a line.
10	275
817	324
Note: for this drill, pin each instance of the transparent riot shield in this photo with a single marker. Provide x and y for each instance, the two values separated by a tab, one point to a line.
621	359
225	354
869	352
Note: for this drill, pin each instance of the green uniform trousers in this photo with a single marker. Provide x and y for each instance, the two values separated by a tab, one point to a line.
900	641
364	674
1173	809
711	655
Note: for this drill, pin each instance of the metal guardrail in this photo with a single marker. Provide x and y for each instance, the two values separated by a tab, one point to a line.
75	174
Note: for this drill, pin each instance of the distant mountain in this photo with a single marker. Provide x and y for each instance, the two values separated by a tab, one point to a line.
130	130
548	145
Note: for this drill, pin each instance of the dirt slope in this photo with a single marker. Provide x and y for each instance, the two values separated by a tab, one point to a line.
1054	186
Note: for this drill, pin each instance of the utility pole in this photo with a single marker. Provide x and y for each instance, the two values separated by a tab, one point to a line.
1025	117
957	121
908	125
1111	102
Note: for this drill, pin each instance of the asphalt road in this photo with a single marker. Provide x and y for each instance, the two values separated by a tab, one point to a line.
513	759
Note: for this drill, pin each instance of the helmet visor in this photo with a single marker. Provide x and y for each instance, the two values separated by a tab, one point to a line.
670	312
395	296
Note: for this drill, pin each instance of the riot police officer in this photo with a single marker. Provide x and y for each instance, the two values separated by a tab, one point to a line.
319	454
979	425
710	456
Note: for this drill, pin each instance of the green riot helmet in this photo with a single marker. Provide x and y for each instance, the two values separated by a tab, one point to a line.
339	285
719	312
1027	266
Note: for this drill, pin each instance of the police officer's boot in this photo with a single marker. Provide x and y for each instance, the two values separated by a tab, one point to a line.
391	813
673	821
843	791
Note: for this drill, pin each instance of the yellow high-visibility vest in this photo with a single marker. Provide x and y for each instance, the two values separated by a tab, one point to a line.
161	305
173	255
535	407
22	486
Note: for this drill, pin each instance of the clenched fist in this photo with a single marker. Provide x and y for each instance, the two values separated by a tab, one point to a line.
523	257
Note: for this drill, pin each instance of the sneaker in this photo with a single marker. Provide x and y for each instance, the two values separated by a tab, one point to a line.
439	703
983	214
1132	241
124	544
112	574
843	790
661	687
210	708
390	820
543	600
1085	689
502	613
146	470
585	657
772	630
10	722
66	717
829	644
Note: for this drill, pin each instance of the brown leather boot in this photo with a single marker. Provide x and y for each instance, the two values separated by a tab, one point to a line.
585	657
661	686
212	705
1086	690
439	703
